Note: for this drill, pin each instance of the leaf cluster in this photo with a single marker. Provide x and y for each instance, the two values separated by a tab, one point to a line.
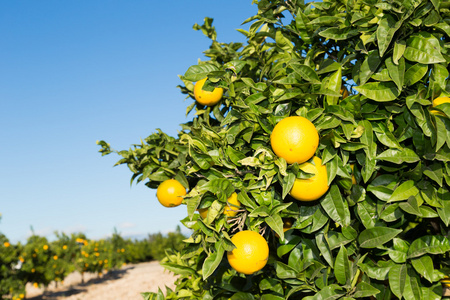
385	236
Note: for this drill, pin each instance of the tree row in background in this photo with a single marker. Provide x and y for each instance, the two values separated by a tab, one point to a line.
40	261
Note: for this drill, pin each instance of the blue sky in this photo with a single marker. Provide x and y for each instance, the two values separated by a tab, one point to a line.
74	72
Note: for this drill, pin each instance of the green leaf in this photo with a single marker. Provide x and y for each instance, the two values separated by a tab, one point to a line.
330	292
378	271
444	211
153	296
399	156
178	269
399	49
287	183
324	248
234	155
288	243
334	84
412	207
377	236
276	223
428	244
284	271
369	66
282	41
242	296
385	32
336	207
342	266
397	279
423	48
424	266
379	91
338	34
412	289
434	172
305	30
440	75
212	262
386	137
364	290
396	71
198	72
366	212
415	73
305	72
404	191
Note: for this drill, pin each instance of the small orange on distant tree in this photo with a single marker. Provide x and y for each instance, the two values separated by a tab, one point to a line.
312	188
295	139
170	193
251	252
206	97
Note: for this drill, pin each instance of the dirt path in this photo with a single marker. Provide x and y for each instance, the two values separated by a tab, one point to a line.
126	283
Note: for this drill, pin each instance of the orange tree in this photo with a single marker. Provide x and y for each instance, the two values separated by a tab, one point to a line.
384	236
64	249
39	264
93	256
11	283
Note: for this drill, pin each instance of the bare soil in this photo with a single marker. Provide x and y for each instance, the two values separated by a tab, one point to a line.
126	283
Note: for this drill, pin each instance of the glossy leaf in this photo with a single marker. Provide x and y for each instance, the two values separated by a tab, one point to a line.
397	279
379	91
385	32
404	191
377	236
341	266
423	48
336	207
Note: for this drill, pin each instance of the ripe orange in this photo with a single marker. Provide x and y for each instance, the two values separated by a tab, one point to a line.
230	210
436	102
287	224
344	92
446	281
206	97
312	188
251	252
170	193
352	166
203	212
295	139
232	206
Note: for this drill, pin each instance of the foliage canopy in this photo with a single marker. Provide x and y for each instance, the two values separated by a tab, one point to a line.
385	236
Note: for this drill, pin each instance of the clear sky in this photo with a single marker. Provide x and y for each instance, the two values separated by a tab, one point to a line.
74	72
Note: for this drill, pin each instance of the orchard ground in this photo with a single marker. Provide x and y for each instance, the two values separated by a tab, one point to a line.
126	283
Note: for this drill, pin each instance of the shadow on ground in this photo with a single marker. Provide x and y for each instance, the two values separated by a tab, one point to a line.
81	287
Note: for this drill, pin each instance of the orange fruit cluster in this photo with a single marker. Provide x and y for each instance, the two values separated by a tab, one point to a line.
296	140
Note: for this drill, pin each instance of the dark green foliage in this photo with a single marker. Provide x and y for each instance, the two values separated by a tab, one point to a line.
385	236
